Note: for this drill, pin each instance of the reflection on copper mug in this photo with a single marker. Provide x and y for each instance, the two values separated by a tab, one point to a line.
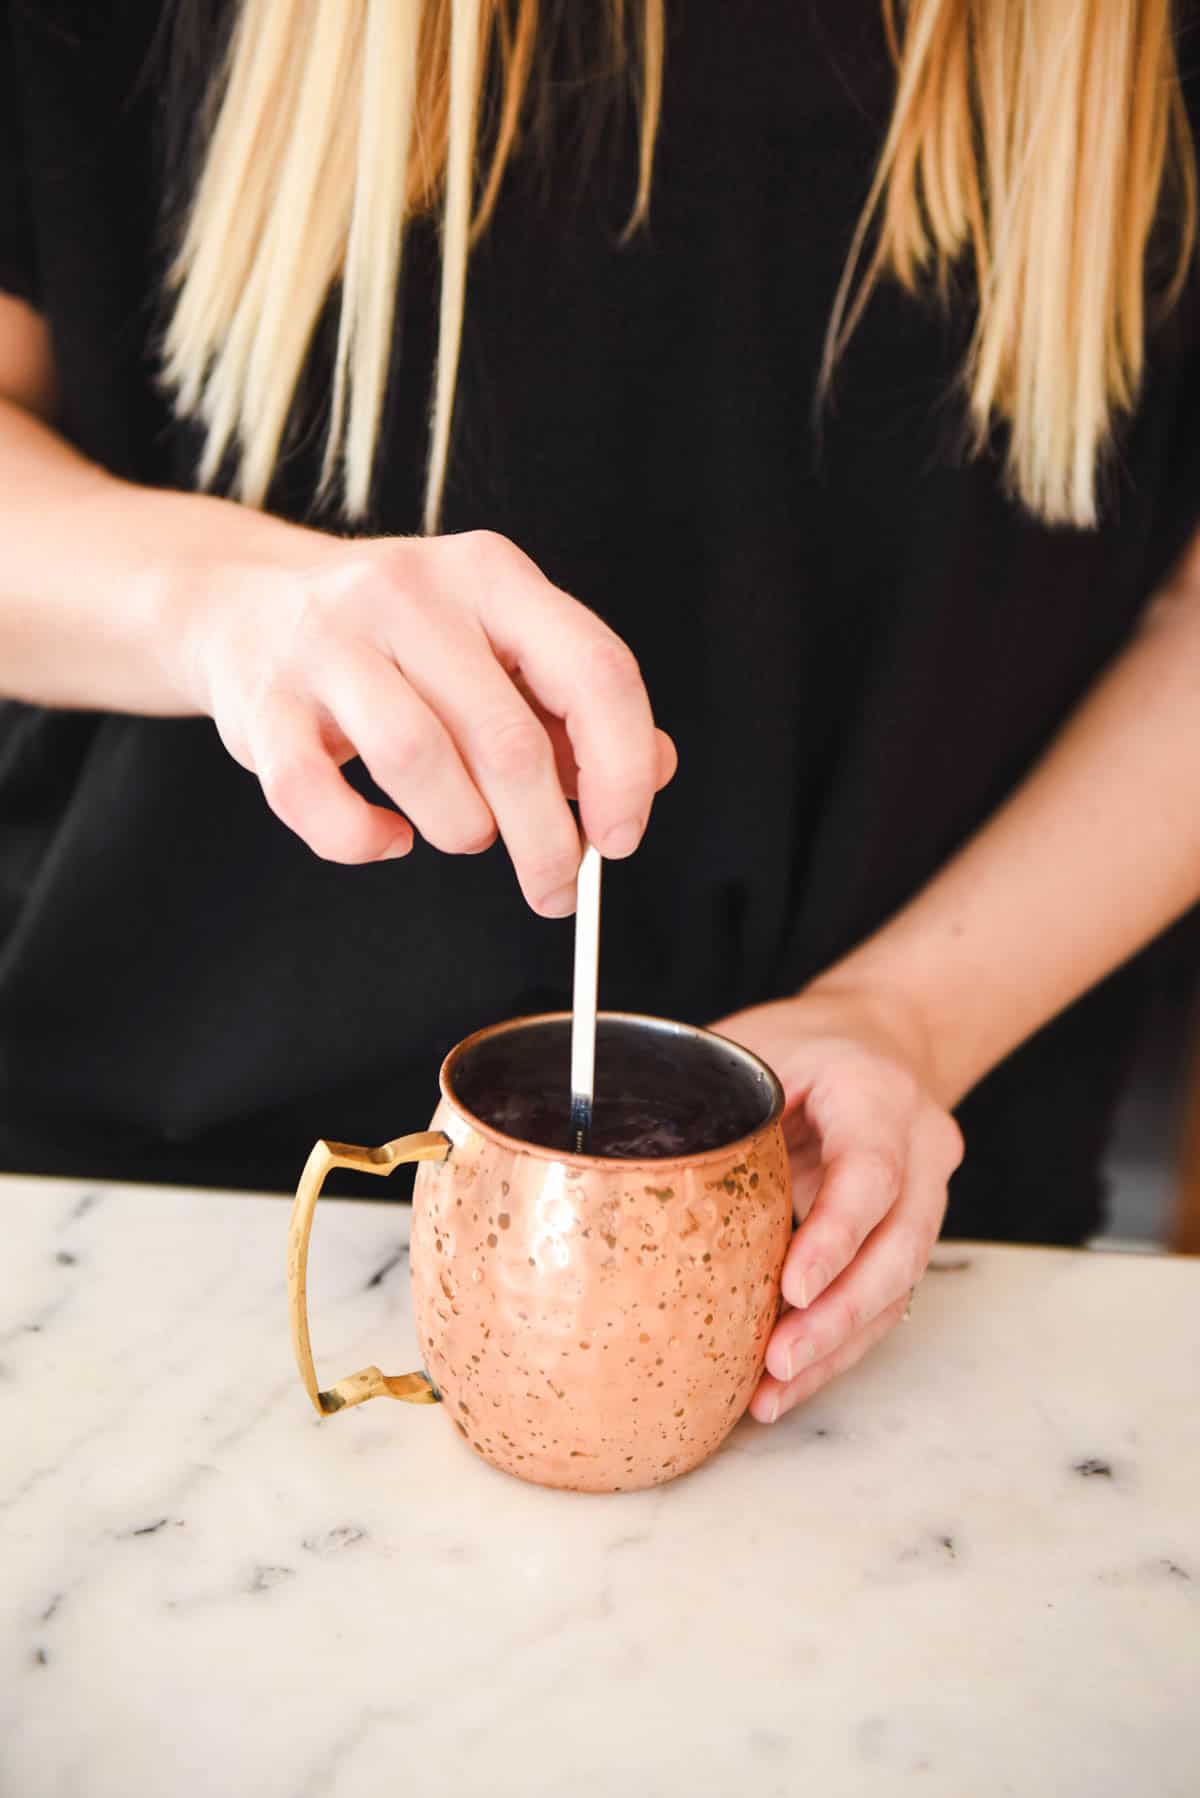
586	1321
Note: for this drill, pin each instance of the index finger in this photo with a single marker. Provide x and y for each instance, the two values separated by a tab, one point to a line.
582	672
863	1121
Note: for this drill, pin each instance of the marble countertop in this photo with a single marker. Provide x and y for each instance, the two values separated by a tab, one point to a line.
970	1568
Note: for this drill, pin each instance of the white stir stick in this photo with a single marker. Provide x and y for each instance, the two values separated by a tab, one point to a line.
583	1011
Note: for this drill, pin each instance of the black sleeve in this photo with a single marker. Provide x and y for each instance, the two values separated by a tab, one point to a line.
18	256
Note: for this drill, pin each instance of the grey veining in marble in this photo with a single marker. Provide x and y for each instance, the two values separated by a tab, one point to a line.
972	1568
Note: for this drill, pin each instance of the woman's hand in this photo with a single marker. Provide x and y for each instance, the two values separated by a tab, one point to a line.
872	1151
478	696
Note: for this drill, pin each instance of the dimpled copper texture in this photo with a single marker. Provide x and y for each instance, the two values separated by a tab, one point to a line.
598	1325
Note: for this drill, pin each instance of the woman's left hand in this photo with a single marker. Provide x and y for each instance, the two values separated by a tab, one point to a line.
872	1151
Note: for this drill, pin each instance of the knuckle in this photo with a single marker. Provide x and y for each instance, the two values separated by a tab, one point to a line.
831	1095
843	1239
821	1101
489	551
610	666
403	750
544	874
877	1171
388	559
312	623
288	782
393	595
849	1319
377	595
515	748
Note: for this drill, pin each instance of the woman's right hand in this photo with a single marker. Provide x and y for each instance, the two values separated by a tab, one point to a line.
478	696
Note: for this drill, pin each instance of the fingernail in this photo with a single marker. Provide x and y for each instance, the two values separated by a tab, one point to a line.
622	839
799	1356
396	849
811	1285
771	1410
560	904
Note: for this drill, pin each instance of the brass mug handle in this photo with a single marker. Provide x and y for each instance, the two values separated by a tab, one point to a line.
413	1388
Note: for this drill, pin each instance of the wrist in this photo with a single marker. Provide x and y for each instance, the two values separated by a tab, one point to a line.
197	584
170	601
889	1014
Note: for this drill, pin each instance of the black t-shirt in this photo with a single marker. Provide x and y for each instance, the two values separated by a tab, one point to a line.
860	645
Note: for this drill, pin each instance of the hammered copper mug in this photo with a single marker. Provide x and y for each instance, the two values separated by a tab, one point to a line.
587	1322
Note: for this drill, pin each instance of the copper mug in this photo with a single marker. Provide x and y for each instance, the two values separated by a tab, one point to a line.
586	1321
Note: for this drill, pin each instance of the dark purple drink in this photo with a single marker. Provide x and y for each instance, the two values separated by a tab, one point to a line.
660	1092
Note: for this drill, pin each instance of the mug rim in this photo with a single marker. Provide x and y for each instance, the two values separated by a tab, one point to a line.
570	1157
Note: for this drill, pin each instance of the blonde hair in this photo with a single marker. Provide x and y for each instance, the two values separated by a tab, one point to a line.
335	124
1035	139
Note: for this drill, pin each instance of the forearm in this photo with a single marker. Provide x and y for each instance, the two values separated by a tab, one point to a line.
97	574
1097	851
